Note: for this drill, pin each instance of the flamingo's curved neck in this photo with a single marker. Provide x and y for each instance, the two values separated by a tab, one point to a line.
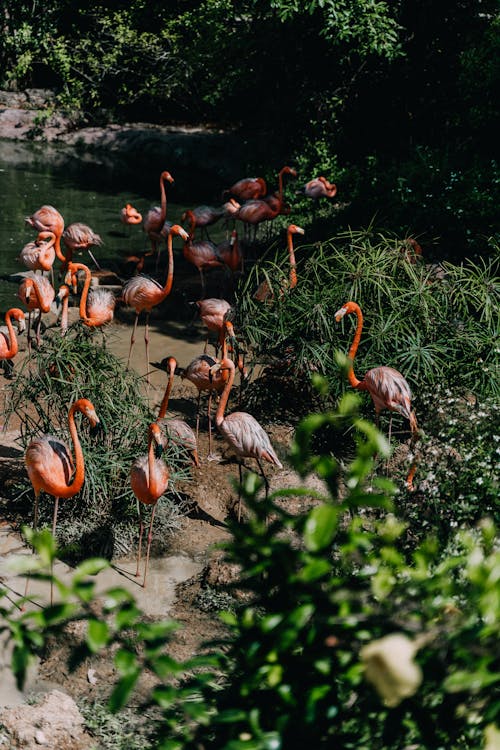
13	345
85	290
152	476
170	275
293	264
45	257
353	380
219	416
166	396
163	193
57	247
41	304
75	486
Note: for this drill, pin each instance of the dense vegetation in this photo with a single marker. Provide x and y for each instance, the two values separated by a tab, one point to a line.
395	102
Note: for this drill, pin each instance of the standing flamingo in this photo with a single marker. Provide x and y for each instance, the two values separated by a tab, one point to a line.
149	480
213	314
130	215
40	254
264	292
79	237
97	305
143	293
8	341
203	217
320	187
37	293
247	189
48	219
203	254
242	432
386	386
155	217
175	430
230	208
254	212
51	467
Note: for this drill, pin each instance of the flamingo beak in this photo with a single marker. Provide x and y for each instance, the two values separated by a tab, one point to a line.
340	313
21	325
299	230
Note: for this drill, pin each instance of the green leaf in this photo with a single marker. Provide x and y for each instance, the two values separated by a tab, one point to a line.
125	661
320	527
122	691
97	635
90	567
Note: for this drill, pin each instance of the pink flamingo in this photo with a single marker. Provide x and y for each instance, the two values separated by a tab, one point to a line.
79	237
264	292
130	215
37	293
320	187
242	432
155	217
247	188
50	465
386	386
230	209
40	254
8	340
48	219
175	430
143	293
203	217
97	305
203	254
230	253
254	212
149	477
213	314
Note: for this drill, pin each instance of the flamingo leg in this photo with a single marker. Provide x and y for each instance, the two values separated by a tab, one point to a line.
54	522
389	438
240	472
35	524
132	339
38	327
198	415
202	284
266	482
150	537
209	414
146	340
141	530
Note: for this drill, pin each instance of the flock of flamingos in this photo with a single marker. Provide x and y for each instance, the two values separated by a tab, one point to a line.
49	461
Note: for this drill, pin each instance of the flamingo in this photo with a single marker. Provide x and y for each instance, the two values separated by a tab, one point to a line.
40	254
203	254
8	341
175	430
143	293
247	188
230	253
242	432
79	237
320	187
130	215
62	303
203	217
230	209
48	219
387	387
264	292
254	212
213	314
155	217
38	294
149	480
51	467
97	305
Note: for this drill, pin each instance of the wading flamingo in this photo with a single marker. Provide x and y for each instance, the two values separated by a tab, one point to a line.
247	189
203	217
97	305
242	432
37	293
48	219
231	208
264	292
130	215
203	254
175	430
79	237
50	465
155	217
149	480
143	293
386	386
8	340
254	212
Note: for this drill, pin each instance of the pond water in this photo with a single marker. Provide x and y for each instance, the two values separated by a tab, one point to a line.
83	188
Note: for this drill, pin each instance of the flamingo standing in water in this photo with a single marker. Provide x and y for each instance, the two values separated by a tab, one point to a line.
143	293
254	212
79	237
149	477
230	208
387	387
48	219
51	467
203	217
97	305
242	431
248	188
130	215
8	341
175	430
37	293
203	254
264	292
155	217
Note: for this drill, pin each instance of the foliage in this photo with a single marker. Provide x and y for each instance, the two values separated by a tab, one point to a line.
325	587
103	516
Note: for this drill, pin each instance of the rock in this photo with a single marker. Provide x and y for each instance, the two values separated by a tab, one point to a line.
54	722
